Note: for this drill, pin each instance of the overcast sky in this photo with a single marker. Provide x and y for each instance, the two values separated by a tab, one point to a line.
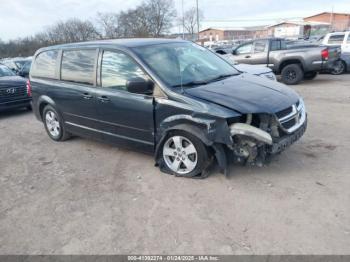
20	18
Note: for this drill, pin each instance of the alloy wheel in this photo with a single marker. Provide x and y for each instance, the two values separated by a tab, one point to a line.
180	155
52	123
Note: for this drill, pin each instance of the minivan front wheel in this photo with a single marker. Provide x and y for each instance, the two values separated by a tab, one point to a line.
54	125
184	154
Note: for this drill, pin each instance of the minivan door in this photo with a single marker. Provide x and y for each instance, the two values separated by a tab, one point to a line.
123	117
76	98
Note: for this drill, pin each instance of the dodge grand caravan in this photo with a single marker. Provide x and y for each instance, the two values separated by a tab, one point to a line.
174	98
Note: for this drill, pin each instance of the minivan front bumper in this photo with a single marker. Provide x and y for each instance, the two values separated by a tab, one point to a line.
282	143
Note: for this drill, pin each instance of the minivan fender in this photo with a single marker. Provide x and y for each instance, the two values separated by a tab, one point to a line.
41	103
213	133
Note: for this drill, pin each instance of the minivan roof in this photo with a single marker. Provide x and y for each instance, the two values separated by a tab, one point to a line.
125	42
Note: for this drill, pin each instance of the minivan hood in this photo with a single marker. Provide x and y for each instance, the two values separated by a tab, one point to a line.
246	93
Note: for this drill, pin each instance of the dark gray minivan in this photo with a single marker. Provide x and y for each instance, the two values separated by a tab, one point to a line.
173	98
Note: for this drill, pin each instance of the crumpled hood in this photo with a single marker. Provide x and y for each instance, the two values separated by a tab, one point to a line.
247	93
10	81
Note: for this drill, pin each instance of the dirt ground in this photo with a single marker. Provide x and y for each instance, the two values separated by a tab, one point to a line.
84	197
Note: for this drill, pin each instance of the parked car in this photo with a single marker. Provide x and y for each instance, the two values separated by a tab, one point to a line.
14	90
258	70
294	63
341	39
15	64
338	39
173	98
24	71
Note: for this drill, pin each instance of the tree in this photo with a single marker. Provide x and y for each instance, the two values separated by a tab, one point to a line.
160	14
190	20
108	25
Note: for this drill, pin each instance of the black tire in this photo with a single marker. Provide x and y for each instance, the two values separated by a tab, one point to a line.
292	74
62	133
203	159
310	75
340	68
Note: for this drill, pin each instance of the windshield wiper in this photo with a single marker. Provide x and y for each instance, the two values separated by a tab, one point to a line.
192	83
220	77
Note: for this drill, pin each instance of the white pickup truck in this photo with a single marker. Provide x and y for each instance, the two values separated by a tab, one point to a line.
341	39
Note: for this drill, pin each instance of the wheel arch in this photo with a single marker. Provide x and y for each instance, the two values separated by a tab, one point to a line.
290	61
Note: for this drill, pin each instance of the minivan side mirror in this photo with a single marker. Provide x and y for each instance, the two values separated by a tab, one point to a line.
139	85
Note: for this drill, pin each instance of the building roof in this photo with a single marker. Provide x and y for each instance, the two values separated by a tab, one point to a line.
334	13
248	28
299	23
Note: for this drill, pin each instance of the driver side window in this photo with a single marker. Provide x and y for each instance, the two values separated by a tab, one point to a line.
244	49
117	69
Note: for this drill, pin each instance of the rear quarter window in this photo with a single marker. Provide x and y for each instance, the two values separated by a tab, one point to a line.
336	39
45	64
79	66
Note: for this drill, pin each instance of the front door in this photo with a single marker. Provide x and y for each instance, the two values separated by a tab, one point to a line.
123	117
243	54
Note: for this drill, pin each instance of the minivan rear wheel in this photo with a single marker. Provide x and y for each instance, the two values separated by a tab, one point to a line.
183	154
54	125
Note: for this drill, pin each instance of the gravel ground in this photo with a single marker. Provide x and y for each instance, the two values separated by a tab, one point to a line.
84	197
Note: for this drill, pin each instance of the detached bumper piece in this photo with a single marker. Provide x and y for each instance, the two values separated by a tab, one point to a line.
281	144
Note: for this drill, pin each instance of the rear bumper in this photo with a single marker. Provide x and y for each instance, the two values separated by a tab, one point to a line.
281	144
15	104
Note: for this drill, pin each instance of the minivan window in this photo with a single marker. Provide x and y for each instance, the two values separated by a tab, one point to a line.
184	64
336	39
117	69
78	66
45	64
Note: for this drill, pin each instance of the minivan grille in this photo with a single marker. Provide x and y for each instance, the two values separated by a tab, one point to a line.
12	93
291	118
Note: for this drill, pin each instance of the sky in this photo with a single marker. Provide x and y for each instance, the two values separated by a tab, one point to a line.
19	18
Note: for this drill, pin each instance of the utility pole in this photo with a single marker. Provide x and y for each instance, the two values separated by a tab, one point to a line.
197	20
183	20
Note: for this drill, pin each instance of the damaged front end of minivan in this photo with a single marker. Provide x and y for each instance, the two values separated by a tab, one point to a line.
247	139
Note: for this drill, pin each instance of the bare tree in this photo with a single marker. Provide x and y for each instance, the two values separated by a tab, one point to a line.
161	14
190	20
108	25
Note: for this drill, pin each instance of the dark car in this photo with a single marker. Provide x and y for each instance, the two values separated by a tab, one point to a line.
173	98
24	71
14	90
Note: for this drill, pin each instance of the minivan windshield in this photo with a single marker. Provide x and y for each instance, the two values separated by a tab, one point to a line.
5	71
185	64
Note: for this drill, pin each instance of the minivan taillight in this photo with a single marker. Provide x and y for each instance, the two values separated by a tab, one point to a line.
29	88
325	54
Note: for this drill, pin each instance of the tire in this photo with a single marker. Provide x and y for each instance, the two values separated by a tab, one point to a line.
292	74
310	75
190	161
339	69
54	124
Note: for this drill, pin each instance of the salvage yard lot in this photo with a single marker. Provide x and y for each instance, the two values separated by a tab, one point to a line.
85	197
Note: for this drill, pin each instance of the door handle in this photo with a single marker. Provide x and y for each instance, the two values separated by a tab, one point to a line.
103	99
87	96
247	56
